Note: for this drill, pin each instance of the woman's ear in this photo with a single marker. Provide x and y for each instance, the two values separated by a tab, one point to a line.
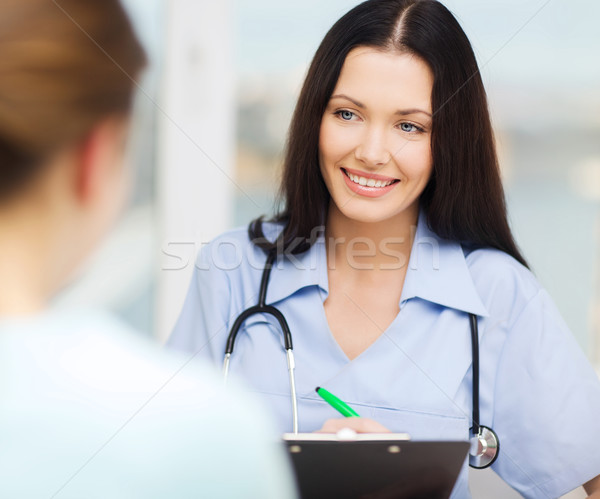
99	160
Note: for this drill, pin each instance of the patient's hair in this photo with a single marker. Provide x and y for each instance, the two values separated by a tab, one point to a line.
64	66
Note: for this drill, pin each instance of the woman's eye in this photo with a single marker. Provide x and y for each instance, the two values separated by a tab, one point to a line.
408	127
346	115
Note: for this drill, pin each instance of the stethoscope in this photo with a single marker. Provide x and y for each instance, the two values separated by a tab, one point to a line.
484	441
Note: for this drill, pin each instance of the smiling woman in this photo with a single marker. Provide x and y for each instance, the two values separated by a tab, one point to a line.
393	261
373	132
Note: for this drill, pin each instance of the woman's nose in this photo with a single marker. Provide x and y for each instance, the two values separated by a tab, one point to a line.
372	149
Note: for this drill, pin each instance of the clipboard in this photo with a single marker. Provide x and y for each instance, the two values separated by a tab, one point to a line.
374	466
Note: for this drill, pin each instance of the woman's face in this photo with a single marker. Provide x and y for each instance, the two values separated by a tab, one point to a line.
375	137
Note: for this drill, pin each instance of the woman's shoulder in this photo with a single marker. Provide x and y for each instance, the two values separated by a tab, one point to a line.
75	346
234	248
242	233
501	281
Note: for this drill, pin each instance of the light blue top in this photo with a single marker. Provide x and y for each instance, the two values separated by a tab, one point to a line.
538	391
89	410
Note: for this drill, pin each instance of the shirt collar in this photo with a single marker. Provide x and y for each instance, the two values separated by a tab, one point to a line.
437	272
294	272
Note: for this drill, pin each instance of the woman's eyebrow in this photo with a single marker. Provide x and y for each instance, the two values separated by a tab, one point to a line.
401	112
404	112
343	96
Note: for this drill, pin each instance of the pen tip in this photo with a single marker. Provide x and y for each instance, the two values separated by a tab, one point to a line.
317	389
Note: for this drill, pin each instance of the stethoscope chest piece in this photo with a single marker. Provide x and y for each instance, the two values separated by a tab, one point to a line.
484	448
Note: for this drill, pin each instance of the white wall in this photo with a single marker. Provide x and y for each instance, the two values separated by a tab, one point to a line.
196	144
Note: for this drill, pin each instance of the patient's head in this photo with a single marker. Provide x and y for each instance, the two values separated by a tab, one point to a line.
67	75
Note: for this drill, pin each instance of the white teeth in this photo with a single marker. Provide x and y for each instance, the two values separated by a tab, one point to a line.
369	182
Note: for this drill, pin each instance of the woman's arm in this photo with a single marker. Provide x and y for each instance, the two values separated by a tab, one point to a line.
202	326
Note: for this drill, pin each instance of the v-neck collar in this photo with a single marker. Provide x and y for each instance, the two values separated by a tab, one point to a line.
437	272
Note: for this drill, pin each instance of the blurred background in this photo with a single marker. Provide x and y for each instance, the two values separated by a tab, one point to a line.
212	116
214	107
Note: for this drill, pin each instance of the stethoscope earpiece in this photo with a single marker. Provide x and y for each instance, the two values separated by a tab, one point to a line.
484	448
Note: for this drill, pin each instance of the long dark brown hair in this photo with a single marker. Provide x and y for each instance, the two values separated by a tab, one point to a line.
464	199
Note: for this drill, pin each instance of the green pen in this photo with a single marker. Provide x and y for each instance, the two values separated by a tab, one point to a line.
339	405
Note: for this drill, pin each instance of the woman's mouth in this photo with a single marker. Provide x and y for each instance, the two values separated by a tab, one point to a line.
369	185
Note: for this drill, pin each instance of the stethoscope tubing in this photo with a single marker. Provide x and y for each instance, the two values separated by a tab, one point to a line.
263	308
475	359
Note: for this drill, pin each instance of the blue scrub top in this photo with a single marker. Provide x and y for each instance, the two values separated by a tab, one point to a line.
537	389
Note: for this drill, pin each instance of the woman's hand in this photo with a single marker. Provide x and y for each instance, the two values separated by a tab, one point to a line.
359	425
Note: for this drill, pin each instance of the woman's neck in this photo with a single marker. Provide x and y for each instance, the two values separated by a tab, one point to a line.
26	269
356	247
